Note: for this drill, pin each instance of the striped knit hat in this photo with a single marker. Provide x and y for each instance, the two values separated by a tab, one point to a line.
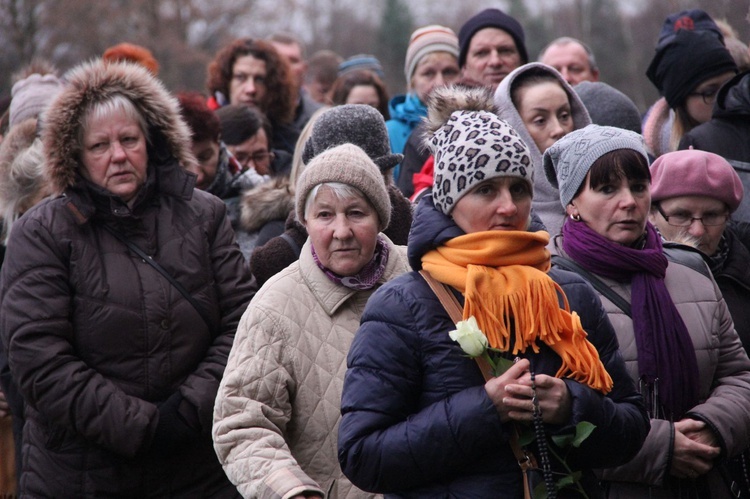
426	40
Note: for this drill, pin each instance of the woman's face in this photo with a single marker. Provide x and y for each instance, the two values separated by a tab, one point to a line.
501	203
207	153
114	154
344	232
706	237
700	101
363	94
617	210
545	110
434	70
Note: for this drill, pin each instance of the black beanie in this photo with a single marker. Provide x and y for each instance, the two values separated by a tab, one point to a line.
491	18
690	58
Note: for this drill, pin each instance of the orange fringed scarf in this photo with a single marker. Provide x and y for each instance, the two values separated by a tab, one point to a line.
503	276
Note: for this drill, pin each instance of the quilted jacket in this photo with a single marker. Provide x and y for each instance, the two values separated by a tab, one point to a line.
724	382
416	419
97	340
277	411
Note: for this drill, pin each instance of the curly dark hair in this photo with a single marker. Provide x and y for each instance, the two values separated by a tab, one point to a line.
203	123
346	82
281	97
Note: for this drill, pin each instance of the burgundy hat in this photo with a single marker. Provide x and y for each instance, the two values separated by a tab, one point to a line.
695	173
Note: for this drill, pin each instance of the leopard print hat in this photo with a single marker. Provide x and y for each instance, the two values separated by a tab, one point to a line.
471	147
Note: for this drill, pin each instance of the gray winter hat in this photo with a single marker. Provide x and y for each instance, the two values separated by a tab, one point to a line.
607	106
568	161
356	124
474	146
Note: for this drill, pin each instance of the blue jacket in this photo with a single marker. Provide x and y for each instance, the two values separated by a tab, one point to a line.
406	113
417	421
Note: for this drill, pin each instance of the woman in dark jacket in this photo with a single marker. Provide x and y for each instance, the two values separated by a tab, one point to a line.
418	419
119	367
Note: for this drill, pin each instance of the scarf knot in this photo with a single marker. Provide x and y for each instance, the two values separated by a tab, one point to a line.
503	276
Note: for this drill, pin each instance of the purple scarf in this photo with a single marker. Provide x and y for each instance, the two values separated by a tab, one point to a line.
367	277
665	350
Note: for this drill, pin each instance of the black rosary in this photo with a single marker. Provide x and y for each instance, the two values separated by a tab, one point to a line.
541	441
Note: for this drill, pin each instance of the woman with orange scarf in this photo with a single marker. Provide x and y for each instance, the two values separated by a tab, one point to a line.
419	420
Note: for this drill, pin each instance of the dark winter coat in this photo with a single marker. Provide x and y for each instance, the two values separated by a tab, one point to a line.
119	371
728	133
734	282
416	419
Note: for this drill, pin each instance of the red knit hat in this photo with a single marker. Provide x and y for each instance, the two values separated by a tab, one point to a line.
695	173
132	53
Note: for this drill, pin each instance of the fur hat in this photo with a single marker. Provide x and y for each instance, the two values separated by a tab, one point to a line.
607	106
427	40
98	81
568	161
491	18
695	173
357	124
471	145
350	165
31	96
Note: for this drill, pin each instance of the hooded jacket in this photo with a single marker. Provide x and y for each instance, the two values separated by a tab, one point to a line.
416	419
546	202
406	113
263	211
726	134
119	371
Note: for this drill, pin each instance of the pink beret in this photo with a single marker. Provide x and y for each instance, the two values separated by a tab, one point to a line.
695	173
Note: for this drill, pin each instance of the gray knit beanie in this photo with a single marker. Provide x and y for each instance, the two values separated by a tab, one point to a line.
350	165
568	161
357	124
471	147
31	96
607	106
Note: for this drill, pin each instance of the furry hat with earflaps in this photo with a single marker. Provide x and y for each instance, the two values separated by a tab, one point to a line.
471	145
98	81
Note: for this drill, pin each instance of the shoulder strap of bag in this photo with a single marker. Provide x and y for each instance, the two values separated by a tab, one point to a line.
525	459
179	287
597	283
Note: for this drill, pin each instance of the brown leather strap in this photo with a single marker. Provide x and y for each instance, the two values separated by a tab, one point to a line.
525	459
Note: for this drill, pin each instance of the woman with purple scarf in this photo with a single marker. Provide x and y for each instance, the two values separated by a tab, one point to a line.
675	331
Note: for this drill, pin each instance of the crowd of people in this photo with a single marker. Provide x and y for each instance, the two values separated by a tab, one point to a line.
505	282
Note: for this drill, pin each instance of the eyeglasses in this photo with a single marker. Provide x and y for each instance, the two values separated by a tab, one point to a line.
708	96
258	158
684	220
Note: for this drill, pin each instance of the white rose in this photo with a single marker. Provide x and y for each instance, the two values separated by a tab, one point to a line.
470	337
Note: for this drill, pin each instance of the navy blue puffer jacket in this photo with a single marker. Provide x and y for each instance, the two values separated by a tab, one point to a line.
417	421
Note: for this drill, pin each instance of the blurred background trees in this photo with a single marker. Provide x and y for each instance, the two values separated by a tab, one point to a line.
184	34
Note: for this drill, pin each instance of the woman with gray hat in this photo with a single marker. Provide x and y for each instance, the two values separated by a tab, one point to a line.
419	416
277	411
364	127
674	328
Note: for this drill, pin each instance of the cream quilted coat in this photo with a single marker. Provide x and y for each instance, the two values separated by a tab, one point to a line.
277	411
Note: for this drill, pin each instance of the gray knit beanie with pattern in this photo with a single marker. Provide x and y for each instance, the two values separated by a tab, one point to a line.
474	146
568	161
357	124
350	165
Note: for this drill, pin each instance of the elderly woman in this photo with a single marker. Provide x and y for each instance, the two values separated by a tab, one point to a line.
419	419
542	107
672	323
277	411
120	298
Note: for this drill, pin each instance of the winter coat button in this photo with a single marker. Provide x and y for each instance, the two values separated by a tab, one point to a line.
164	324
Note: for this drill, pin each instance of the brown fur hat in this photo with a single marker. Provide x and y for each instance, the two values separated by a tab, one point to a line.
98	81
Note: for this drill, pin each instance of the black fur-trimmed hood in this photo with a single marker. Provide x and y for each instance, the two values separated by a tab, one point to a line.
96	81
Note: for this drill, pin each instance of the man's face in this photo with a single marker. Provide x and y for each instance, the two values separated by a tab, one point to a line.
293	55
491	56
572	61
248	83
